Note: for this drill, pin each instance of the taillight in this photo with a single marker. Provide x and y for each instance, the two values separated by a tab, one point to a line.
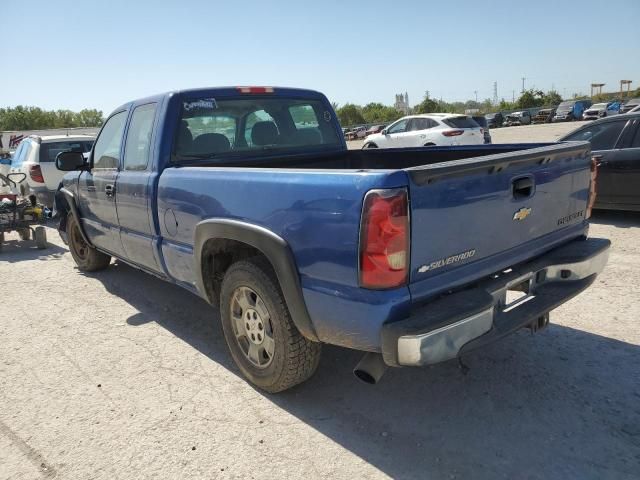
384	239
255	90
593	184
452	133
36	173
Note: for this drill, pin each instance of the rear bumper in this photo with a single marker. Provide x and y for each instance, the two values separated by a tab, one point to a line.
460	322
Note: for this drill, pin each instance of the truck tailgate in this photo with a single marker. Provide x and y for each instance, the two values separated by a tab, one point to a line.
483	214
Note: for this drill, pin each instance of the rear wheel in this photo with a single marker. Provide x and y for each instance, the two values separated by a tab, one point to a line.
40	237
25	234
367	146
263	341
429	144
87	258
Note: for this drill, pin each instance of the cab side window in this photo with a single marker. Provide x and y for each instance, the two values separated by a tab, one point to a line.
106	153
603	136
136	150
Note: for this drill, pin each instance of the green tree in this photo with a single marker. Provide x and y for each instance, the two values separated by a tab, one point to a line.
350	114
551	98
34	118
428	105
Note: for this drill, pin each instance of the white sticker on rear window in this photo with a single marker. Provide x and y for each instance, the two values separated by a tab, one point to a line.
201	104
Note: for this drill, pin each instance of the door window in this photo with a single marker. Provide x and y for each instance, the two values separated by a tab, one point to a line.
603	136
398	127
136	149
106	153
422	124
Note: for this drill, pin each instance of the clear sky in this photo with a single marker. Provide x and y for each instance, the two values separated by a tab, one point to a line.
90	54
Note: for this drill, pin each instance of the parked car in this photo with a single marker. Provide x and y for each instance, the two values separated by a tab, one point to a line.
630	105
356	133
544	115
35	157
428	130
615	143
601	110
374	129
518	118
296	256
482	121
571	110
494	120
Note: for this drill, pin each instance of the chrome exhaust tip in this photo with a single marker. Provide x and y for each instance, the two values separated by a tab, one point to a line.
371	368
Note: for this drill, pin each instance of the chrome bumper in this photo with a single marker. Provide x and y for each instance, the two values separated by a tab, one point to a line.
462	321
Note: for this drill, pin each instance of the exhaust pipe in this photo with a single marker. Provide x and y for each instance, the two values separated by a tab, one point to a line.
371	368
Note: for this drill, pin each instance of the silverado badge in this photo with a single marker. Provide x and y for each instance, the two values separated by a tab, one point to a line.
522	214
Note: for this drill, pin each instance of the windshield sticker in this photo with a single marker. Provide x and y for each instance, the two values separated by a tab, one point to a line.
202	104
327	116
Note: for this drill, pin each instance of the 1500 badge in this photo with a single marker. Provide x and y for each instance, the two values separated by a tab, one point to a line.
447	261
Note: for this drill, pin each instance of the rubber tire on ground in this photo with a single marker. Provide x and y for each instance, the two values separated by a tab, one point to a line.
295	358
368	146
1	240
40	237
25	234
94	260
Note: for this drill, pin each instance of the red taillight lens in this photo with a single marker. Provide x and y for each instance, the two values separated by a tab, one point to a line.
593	184
384	239
36	174
452	133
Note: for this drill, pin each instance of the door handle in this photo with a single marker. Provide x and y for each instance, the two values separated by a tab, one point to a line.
109	190
522	187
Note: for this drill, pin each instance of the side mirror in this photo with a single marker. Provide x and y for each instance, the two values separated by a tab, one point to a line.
384	131
70	161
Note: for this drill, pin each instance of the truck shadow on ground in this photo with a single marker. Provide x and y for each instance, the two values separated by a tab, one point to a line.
616	218
561	404
15	250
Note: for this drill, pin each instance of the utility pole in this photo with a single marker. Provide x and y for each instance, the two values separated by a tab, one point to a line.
476	92
523	79
495	93
513	96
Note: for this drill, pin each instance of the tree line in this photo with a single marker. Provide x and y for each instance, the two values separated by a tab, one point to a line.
351	114
35	118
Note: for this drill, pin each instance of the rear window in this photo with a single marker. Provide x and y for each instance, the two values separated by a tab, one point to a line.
460	122
218	128
482	121
49	151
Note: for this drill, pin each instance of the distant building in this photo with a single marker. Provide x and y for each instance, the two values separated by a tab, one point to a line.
402	103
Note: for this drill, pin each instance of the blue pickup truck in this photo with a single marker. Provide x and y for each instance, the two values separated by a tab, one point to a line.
249	198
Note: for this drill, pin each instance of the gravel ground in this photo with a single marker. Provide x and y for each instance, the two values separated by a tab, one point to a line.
120	375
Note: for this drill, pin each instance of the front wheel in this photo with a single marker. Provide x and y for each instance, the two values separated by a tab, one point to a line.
261	336
87	258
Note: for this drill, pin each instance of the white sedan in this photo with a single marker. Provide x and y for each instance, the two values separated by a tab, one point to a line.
428	130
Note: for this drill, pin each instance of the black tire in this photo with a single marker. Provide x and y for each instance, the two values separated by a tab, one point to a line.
25	234
430	144
367	146
87	258
40	236
1	240
294	358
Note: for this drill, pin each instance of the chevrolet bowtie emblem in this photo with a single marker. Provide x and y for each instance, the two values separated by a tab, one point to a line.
522	214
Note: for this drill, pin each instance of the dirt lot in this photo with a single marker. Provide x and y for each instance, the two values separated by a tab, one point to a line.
120	375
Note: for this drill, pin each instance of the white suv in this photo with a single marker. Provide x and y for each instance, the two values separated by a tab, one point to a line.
36	158
428	130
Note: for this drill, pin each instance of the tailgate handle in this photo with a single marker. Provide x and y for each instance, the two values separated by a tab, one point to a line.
522	187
